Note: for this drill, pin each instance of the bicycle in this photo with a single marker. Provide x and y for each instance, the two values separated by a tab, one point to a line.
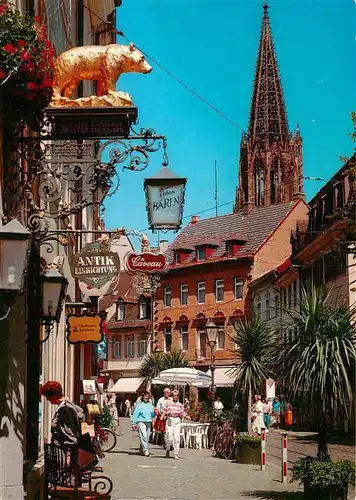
105	438
224	442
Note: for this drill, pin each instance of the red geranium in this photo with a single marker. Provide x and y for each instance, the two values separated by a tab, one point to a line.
10	48
22	43
3	7
2	74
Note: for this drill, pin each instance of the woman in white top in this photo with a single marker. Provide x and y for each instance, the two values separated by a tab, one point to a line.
258	422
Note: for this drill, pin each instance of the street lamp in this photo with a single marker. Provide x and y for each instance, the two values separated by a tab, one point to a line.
165	194
212	333
53	289
14	246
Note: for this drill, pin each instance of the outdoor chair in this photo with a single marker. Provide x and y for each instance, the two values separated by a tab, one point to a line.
194	437
63	478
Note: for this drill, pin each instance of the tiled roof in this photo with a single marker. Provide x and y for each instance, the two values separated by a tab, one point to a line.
129	323
123	290
254	227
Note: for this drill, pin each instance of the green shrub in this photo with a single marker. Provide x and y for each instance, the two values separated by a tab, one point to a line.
247	438
324	476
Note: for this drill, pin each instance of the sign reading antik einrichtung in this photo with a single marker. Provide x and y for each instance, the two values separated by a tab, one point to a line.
95	265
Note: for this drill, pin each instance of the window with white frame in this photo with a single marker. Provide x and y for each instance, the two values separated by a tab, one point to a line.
130	346
117	348
167	296
143	309
277	309
201	253
201	292
184	295
230	249
167	338
219	290
184	340
120	311
142	346
202	343
238	288
268	305
221	340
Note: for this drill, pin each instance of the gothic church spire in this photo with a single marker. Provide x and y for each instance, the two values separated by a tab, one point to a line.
271	158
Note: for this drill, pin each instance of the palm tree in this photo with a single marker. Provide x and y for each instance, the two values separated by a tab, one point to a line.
320	360
254	345
155	362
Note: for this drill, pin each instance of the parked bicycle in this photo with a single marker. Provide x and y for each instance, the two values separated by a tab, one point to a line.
105	439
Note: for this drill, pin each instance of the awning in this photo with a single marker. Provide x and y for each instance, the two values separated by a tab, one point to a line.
126	385
222	377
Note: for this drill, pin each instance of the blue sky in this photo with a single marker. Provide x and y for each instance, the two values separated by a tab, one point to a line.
212	46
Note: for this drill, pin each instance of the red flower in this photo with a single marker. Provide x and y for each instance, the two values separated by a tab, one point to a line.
32	86
10	48
38	20
22	43
25	56
2	74
3	7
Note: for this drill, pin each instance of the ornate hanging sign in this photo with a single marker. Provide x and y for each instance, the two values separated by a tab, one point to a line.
95	266
84	328
146	262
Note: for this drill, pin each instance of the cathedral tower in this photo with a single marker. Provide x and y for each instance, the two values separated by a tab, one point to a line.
271	159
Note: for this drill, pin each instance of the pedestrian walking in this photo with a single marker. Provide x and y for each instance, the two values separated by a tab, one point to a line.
267	410
218	406
173	411
127	408
276	411
160	425
142	420
258	422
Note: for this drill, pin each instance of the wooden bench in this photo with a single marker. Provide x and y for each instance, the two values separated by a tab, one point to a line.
64	480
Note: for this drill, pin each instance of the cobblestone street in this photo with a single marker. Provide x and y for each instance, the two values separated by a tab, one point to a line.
197	475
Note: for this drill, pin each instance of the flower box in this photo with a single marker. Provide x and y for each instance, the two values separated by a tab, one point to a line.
248	449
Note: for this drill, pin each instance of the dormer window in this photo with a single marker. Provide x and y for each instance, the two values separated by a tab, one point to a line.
201	253
143	309
120	310
230	249
177	257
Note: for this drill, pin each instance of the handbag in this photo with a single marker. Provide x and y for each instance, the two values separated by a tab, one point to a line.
87	458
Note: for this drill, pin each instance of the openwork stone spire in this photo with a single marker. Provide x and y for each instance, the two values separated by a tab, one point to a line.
271	158
268	118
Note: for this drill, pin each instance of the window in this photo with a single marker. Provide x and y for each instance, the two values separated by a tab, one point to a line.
221	340
130	346
202	343
143	309
167	296
238	288
117	348
276	305
184	337
230	250
120	311
177	257
201	253
167	338
258	307
201	292
219	290
184	295
142	346
268	311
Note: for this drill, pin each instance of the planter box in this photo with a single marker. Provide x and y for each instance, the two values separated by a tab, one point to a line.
248	453
332	494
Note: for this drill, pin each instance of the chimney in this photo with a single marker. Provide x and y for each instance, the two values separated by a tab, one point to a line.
248	207
163	246
194	219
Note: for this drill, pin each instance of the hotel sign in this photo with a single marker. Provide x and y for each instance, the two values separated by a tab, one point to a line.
95	265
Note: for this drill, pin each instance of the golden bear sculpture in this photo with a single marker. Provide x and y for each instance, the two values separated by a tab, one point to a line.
103	64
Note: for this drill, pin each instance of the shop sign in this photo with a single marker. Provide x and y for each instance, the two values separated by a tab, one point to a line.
84	328
95	265
166	205
146	262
